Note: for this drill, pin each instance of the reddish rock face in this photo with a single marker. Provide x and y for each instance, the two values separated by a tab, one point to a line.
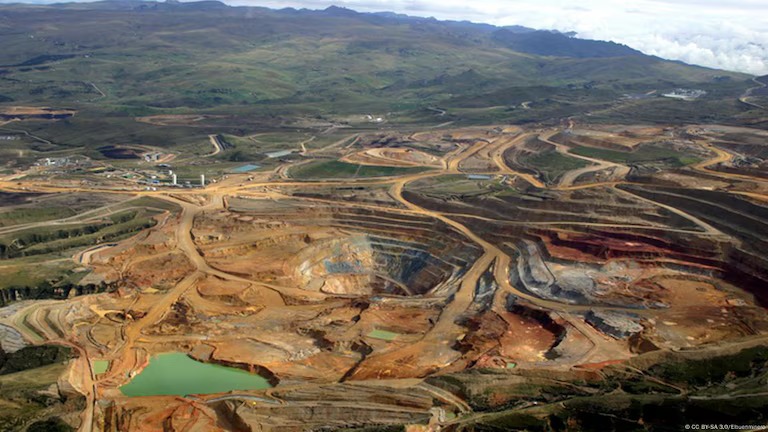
507	256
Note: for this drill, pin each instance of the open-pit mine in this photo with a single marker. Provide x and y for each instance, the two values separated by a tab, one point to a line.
478	278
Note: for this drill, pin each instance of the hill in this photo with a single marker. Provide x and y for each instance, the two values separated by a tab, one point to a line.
261	68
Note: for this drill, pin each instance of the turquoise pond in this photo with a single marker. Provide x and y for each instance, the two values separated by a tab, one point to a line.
178	374
245	168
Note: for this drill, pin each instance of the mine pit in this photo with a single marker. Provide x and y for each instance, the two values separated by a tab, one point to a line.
401	257
292	299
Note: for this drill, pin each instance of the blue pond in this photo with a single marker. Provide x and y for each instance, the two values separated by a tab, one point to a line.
246	168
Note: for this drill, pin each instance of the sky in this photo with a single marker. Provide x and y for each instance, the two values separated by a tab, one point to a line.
724	34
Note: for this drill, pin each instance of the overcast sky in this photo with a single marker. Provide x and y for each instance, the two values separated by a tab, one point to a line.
725	34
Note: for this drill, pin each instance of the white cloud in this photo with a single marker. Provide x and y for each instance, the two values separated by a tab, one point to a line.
718	35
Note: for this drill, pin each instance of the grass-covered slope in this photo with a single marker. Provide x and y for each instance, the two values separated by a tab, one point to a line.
259	69
659	392
206	55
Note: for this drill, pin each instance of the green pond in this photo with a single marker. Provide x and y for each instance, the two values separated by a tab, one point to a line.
178	374
100	366
383	334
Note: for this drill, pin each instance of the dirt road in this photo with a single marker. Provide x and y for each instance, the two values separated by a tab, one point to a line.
619	171
439	339
747	94
217	146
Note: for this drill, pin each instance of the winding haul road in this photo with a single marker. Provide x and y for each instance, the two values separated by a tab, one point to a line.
619	171
444	331
747	94
216	143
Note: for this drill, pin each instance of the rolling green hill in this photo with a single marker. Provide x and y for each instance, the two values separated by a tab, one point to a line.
263	69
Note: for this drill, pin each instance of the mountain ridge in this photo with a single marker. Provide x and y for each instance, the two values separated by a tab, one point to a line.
509	34
155	57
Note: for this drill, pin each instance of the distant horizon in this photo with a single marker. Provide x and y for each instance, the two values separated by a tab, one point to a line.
727	35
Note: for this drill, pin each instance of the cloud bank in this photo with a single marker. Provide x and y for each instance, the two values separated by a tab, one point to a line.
723	34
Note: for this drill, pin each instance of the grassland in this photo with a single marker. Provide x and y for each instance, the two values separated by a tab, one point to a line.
14	407
192	172
29	273
262	147
644	153
269	80
41	253
552	165
31	208
647	398
28	215
446	186
41	256
336	169
25	398
148	202
52	239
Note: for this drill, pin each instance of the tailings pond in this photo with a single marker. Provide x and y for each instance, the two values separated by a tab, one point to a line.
178	374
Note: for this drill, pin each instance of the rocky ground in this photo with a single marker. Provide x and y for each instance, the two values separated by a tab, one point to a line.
391	300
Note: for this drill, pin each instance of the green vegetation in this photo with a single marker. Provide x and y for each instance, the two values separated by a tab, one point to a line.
178	374
36	271
719	389
460	185
37	259
29	215
30	208
552	164
148	202
32	357
25	378
643	153
715	107
50	239
191	173
336	169
626	413
37	285
389	428
713	371
258	147
24	398
282	77
53	424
